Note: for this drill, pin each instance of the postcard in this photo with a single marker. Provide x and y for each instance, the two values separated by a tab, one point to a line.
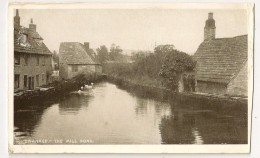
130	77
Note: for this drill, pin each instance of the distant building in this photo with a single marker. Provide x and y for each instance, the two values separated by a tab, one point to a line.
221	63
32	59
76	58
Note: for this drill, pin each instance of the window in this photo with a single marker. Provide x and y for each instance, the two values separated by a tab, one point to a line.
26	58
47	79
16	81
43	61
37	80
25	83
37	60
74	68
17	59
43	76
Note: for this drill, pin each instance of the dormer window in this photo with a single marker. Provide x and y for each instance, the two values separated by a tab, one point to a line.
39	42
23	40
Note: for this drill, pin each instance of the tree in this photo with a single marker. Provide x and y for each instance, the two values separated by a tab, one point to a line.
115	53
174	63
56	60
162	49
102	54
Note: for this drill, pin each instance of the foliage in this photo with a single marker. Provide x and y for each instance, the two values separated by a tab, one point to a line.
175	62
115	53
165	64
102	54
164	49
56	60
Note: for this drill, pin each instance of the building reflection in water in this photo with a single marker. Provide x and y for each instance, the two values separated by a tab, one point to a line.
27	117
203	126
72	104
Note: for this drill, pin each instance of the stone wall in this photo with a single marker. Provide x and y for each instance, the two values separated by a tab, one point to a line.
63	70
98	69
239	85
82	69
211	87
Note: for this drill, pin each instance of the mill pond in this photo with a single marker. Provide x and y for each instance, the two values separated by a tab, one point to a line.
110	114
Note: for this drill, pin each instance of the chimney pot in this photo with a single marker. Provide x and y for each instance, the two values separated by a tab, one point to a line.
86	44
210	16
210	28
17	19
32	27
17	12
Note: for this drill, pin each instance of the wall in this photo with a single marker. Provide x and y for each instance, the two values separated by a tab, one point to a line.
63	70
181	83
239	85
211	87
32	69
81	69
98	69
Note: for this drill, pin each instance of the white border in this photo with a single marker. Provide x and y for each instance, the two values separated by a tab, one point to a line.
128	148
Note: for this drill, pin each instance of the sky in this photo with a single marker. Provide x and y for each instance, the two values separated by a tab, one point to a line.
132	29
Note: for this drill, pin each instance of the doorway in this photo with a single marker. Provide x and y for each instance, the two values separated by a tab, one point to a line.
31	83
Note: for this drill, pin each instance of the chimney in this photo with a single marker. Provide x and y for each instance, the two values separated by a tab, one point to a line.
86	44
17	19
210	28
210	16
32	27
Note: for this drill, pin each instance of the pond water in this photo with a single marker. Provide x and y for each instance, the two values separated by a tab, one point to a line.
107	114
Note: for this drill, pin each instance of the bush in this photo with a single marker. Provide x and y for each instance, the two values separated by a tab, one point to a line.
174	63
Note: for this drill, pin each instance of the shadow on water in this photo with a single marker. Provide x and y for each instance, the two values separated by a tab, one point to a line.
197	120
28	115
206	122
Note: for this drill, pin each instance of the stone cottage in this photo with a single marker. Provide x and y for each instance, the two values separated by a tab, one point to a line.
76	58
32	59
222	66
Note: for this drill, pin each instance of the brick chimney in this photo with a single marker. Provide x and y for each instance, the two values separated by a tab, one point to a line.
86	44
210	28
32	27
17	19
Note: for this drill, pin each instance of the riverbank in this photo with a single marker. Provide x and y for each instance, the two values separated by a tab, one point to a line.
163	93
54	89
64	87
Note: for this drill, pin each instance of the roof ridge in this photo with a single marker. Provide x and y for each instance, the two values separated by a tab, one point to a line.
230	37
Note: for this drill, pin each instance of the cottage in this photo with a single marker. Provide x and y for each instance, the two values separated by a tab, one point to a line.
32	59
222	66
77	58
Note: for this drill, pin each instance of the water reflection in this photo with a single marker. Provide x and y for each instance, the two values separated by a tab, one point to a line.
200	126
74	103
107	114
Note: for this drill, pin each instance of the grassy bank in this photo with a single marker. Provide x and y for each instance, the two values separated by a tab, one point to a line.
127	73
125	76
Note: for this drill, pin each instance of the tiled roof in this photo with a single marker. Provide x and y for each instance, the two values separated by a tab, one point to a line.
75	53
219	60
31	45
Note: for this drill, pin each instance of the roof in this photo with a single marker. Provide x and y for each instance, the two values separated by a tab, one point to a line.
33	45
75	53
219	60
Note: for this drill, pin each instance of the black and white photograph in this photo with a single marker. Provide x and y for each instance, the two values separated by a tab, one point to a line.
93	75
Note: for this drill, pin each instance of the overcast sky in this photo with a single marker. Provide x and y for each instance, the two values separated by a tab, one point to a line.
132	29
